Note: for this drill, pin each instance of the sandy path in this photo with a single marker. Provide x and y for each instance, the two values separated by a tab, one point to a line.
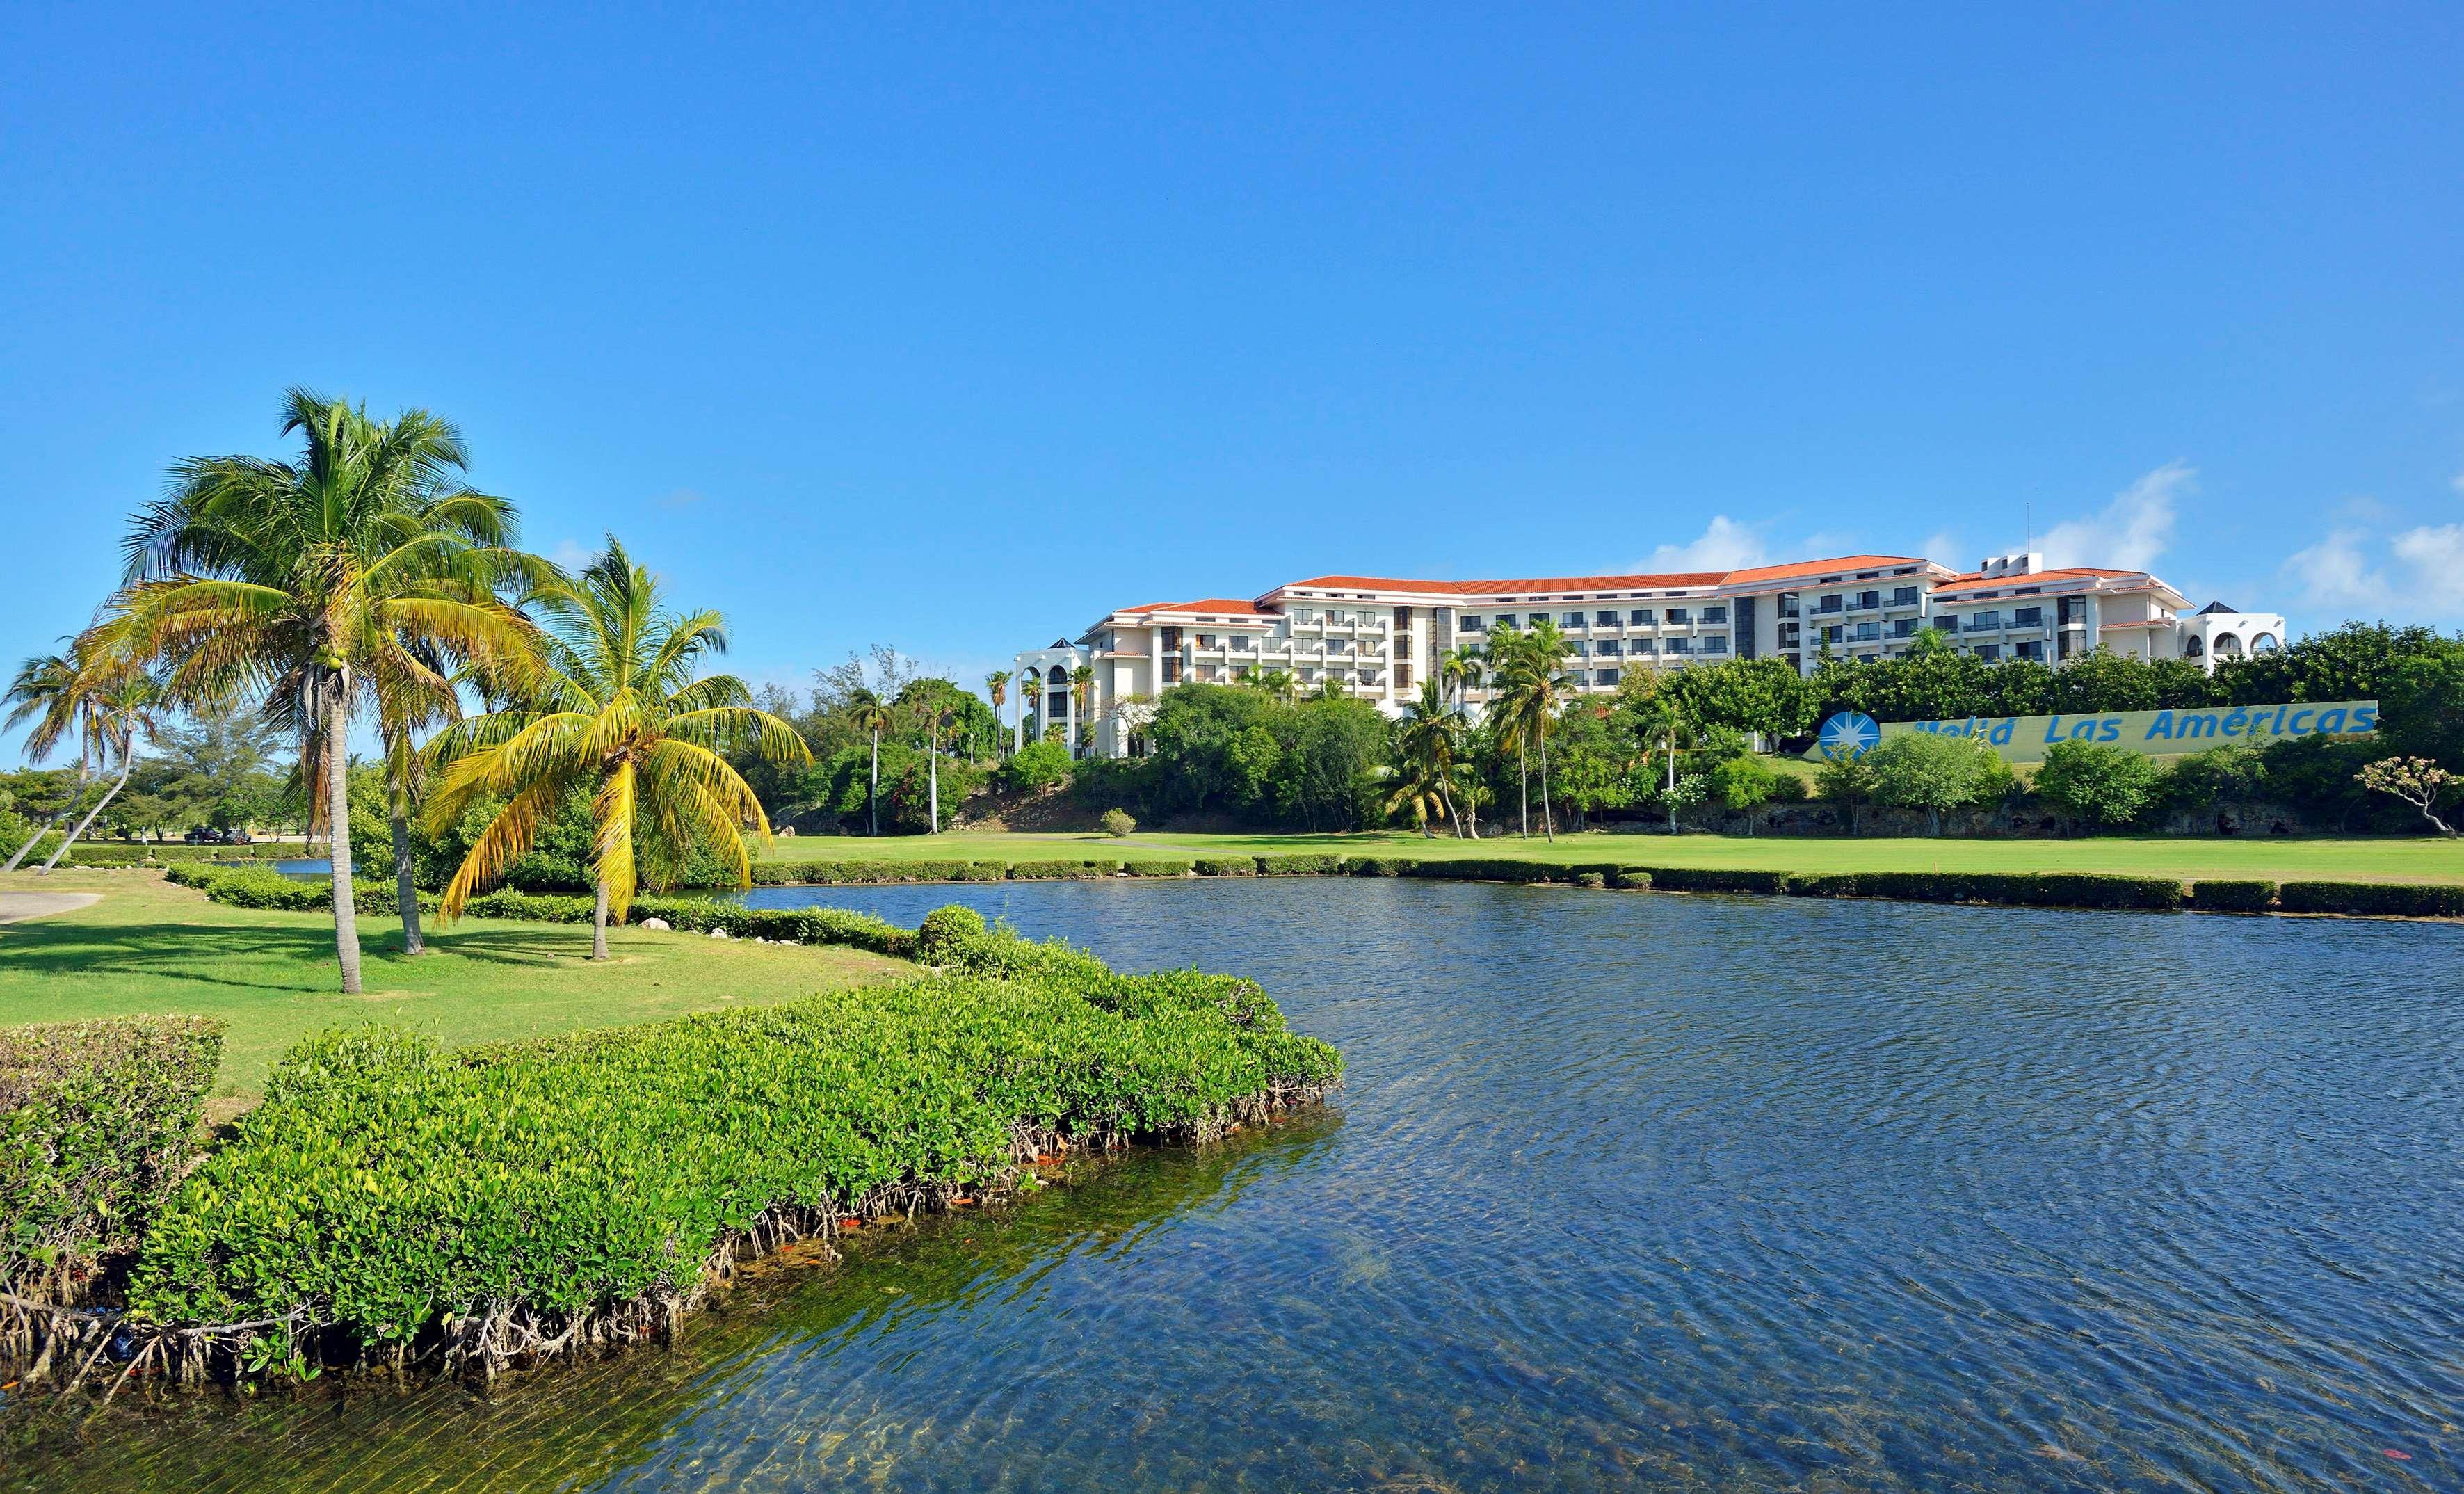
18	907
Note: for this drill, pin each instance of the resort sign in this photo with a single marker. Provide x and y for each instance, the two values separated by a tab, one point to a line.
2024	739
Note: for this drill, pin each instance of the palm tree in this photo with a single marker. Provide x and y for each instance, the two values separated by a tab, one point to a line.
619	710
1429	740
1531	681
997	686
47	692
1278	682
1461	668
933	700
316	583
109	704
1082	690
872	714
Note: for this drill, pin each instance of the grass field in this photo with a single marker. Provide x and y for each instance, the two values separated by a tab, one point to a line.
2280	859
151	947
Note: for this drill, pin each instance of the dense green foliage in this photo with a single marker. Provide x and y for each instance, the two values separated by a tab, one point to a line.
388	1188
1934	772
792	874
2016	888
2098	784
2380	899
1038	764
2226	895
97	1121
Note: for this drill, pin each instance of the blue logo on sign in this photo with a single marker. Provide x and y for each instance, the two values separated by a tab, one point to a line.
1851	733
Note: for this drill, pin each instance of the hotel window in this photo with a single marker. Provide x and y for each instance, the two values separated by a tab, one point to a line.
1581	649
2032	649
1984	622
1570	620
1505	620
1642	646
1677	617
2028	617
1304	614
1717	643
1608	676
1337	615
1471	623
1903	597
1681	645
1868	632
1369	676
1829	604
1604	619
1171	669
1639	617
1716	616
1868	599
1833	634
1606	648
1903	627
1990	653
1206	640
1945	623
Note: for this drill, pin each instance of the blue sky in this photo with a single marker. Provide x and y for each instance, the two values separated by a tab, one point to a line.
950	330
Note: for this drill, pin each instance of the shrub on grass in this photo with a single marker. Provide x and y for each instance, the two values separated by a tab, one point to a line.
1487	868
1061	870
393	1193
2232	897
97	1121
2372	899
860	874
1118	824
1300	863
944	930
1159	867
1631	879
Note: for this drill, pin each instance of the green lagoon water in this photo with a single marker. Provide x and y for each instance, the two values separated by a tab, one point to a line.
1625	1191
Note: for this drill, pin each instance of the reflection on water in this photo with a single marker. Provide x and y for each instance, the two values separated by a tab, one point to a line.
1626	1190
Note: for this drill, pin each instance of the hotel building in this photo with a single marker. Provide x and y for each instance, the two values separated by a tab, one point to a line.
1376	637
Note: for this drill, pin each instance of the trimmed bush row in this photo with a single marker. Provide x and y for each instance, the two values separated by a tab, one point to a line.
2232	897
98	1120
777	873
391	1197
1227	865
131	853
2371	899
2021	890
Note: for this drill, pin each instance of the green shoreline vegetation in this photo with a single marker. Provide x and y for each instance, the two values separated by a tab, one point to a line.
392	1200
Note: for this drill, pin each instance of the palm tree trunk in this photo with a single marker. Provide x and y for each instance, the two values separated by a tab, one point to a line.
1547	816
932	783
1672	783
405	892
127	765
599	925
872	794
338	826
85	772
1524	768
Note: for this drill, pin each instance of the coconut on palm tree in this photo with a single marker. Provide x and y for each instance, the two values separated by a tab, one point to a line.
318	585
619	710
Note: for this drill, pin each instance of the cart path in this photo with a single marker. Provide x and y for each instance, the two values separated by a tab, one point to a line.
18	907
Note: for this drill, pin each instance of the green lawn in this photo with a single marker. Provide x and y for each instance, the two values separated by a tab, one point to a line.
151	947
2281	859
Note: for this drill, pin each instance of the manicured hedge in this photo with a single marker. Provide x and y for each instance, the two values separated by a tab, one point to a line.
1490	868
388	1192
131	853
1700	879
1061	870
1631	879
1380	866
1158	867
1301	864
1227	865
2015	889
263	887
2232	897
2372	899
98	1120
825	873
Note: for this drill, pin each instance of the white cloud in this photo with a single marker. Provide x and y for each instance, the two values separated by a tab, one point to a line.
1944	546
2337	573
1725	545
2435	555
2456	482
2131	531
572	554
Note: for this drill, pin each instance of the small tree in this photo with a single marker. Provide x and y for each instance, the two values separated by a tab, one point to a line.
1118	824
1934	772
1684	792
2095	784
1846	781
1038	764
2417	781
1744	783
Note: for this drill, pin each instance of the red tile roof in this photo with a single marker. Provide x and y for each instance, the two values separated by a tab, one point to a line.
1976	580
1843	563
1202	605
1668	580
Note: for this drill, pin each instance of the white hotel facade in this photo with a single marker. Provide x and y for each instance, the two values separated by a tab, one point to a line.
1377	638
